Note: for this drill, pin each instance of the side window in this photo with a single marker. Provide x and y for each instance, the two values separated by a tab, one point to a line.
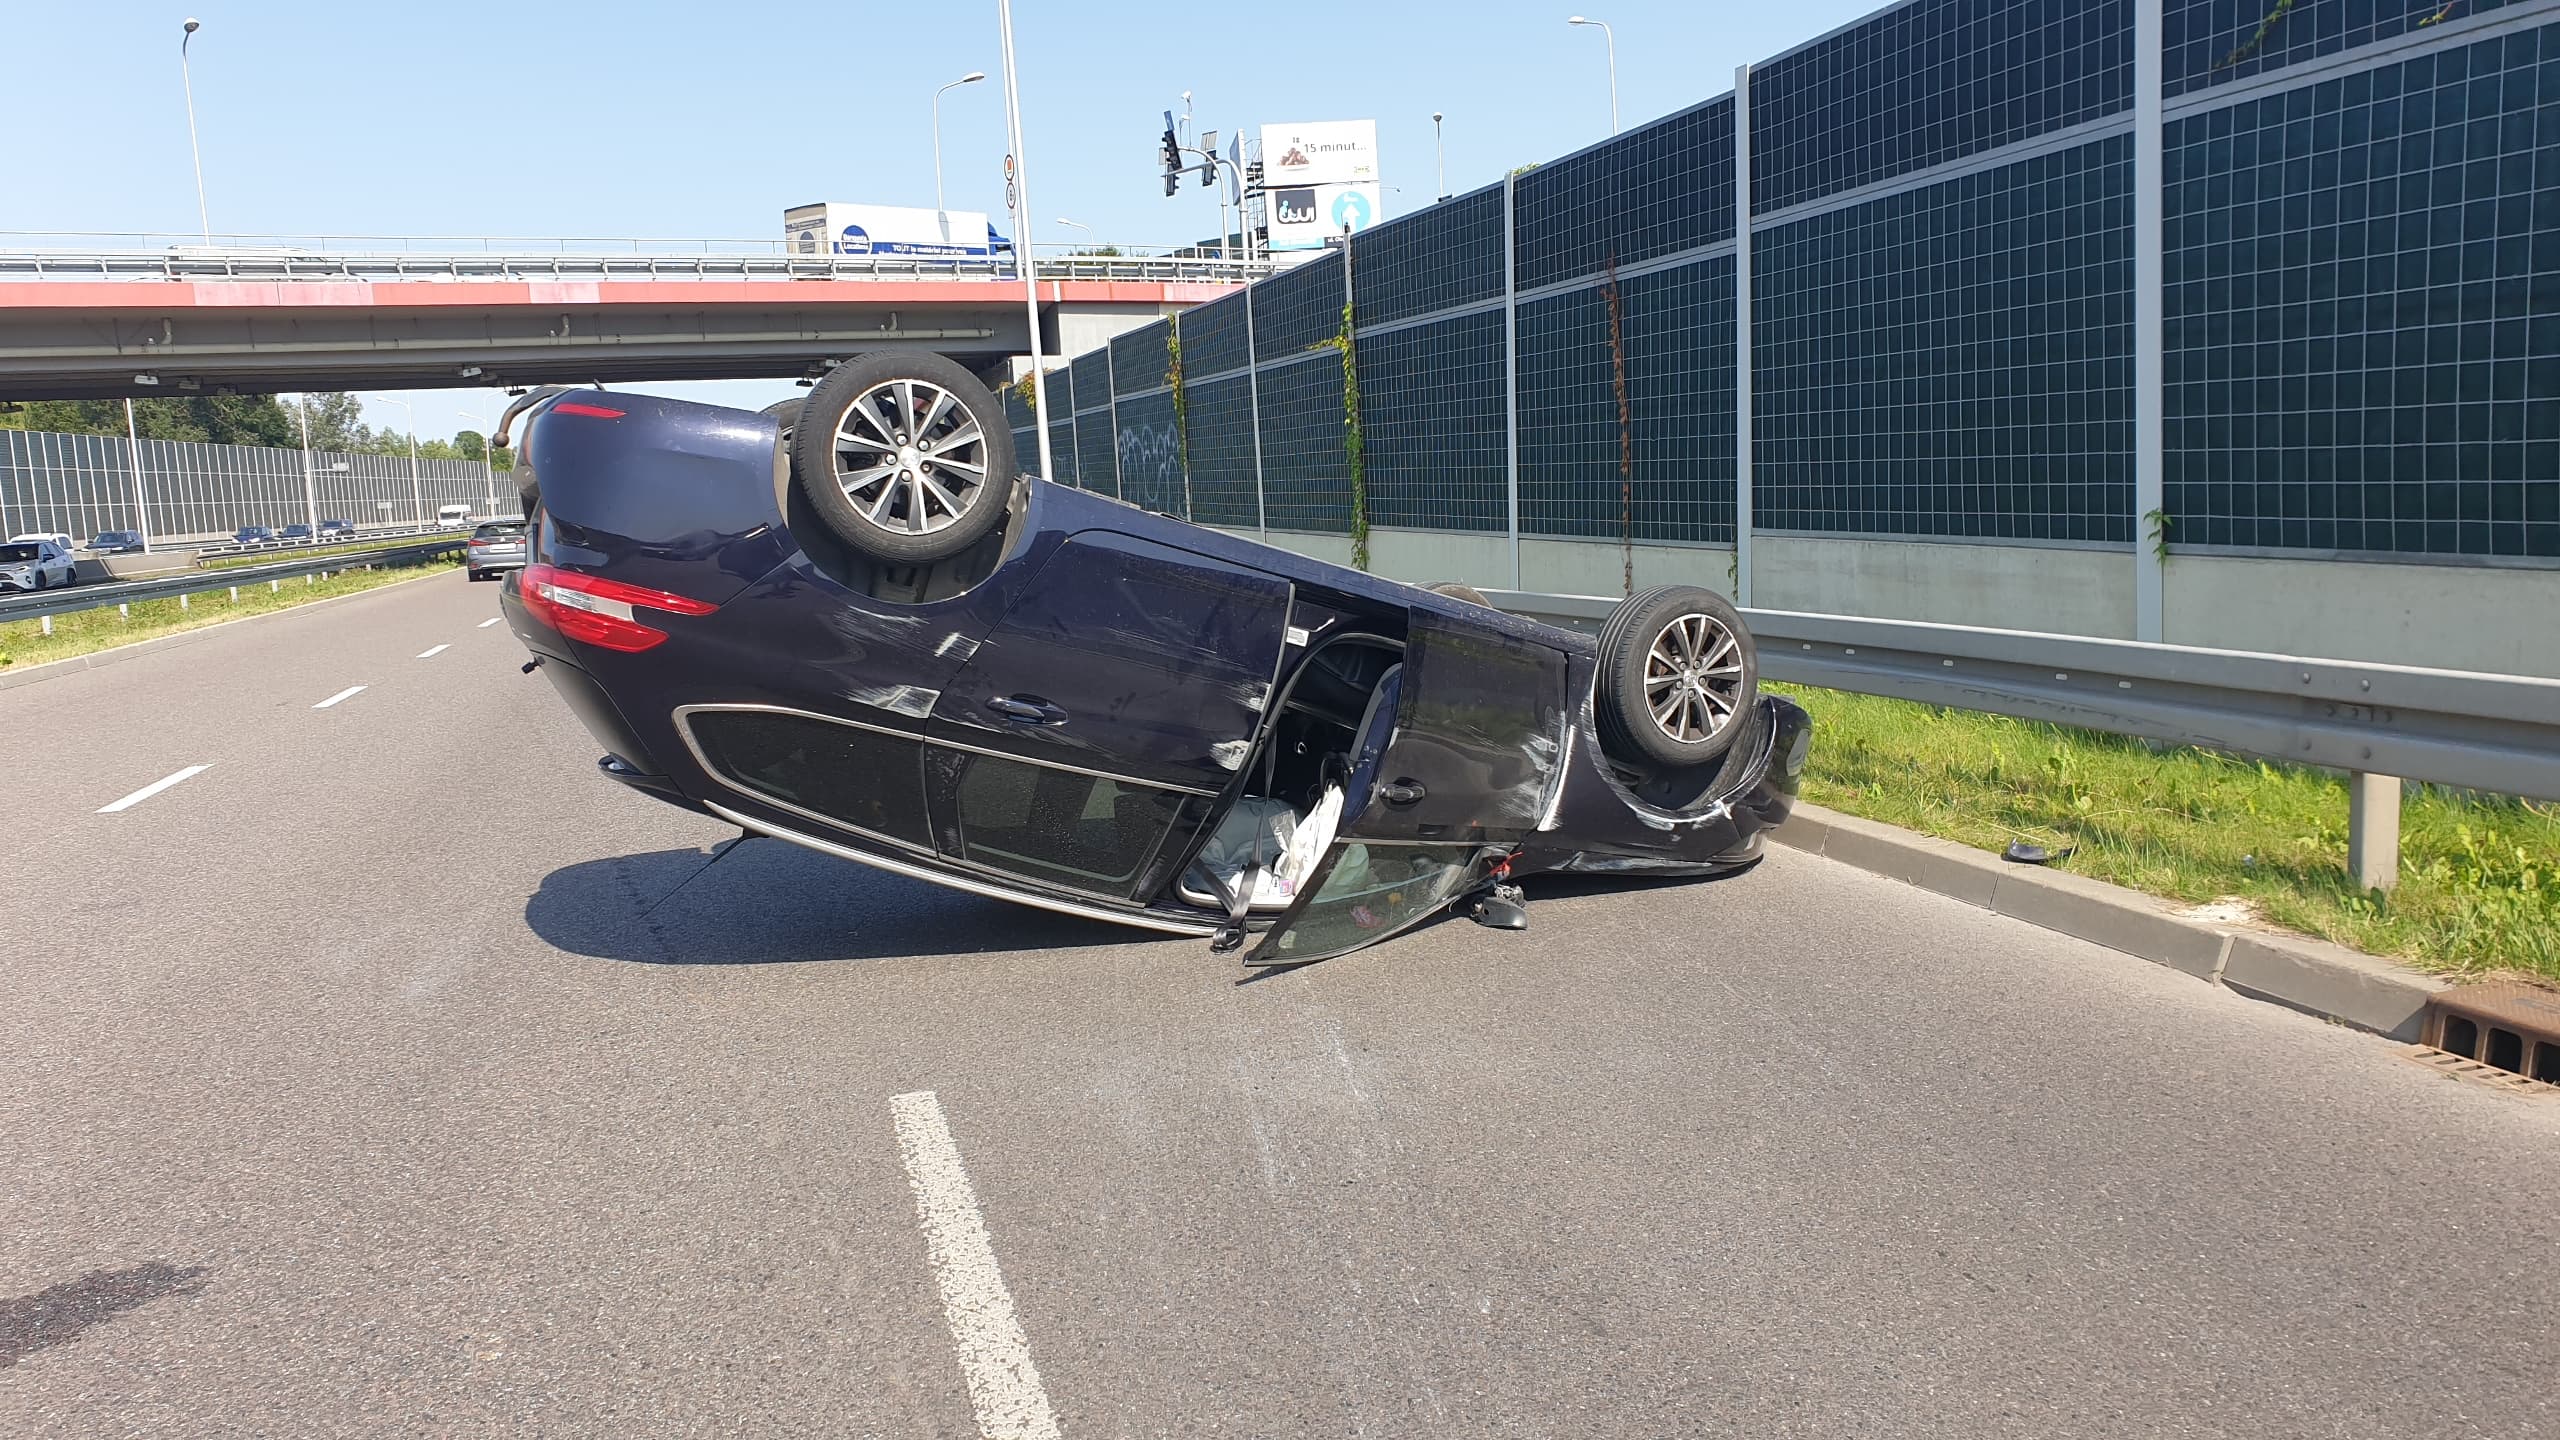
1064	827
850	775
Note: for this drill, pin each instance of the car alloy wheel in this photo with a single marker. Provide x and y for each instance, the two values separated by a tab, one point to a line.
910	457
1693	679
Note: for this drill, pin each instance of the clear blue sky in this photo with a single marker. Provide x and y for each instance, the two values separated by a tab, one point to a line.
646	119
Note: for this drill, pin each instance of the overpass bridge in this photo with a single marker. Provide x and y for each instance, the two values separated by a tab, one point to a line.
93	321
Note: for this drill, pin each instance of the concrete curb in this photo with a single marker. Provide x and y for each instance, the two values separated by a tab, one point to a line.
2309	975
11	679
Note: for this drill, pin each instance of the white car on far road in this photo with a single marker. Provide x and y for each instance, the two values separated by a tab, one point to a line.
37	562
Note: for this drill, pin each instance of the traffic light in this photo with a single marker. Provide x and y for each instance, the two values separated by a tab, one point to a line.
1169	155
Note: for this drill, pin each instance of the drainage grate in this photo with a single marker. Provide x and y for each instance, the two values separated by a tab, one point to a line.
2504	1024
2454	1067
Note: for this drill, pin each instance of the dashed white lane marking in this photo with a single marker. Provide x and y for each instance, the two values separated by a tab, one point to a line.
492	620
156	786
995	1356
433	651
347	694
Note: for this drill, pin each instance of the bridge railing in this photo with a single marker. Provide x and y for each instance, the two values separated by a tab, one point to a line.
50	255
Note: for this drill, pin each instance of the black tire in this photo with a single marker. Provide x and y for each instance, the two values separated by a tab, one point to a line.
1659	643
928	504
39	574
785	413
1459	590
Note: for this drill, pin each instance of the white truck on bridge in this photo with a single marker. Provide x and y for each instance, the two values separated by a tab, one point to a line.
834	228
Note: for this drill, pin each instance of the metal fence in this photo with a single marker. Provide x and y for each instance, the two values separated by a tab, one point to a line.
2132	276
176	491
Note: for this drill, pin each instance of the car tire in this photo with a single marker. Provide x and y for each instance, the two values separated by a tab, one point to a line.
1657	645
39	577
786	414
1459	590
856	420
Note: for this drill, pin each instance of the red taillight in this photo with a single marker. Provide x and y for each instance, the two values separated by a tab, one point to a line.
598	611
581	407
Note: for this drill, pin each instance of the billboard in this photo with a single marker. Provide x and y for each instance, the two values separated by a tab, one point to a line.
1304	217
1320	152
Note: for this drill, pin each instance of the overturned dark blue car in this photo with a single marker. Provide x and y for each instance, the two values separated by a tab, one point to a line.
850	623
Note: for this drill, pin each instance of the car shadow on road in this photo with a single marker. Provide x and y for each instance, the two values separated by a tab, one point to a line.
765	902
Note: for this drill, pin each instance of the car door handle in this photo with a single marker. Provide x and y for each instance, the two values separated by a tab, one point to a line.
1027	710
1401	792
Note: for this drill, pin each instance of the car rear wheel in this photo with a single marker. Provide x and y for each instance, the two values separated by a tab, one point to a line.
786	413
906	458
1678	675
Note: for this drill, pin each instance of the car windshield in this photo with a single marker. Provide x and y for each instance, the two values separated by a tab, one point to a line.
11	554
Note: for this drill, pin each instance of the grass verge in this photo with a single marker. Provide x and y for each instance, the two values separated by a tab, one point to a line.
23	642
2480	875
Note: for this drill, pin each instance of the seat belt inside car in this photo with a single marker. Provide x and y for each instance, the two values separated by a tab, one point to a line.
1237	900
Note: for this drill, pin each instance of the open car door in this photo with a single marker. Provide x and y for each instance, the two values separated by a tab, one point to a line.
1456	766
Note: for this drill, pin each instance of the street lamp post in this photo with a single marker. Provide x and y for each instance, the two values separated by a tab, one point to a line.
972	78
417	497
141	498
1030	265
310	489
1611	37
186	77
1439	156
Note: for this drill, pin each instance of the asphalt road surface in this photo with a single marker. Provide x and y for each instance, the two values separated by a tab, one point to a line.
395	1074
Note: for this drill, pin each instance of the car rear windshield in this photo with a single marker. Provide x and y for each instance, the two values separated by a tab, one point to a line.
492	532
11	554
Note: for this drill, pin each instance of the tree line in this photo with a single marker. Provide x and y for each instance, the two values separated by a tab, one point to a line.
336	419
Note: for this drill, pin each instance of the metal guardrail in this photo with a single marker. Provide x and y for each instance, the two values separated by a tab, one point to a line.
98	595
2498	733
468	265
2380	723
